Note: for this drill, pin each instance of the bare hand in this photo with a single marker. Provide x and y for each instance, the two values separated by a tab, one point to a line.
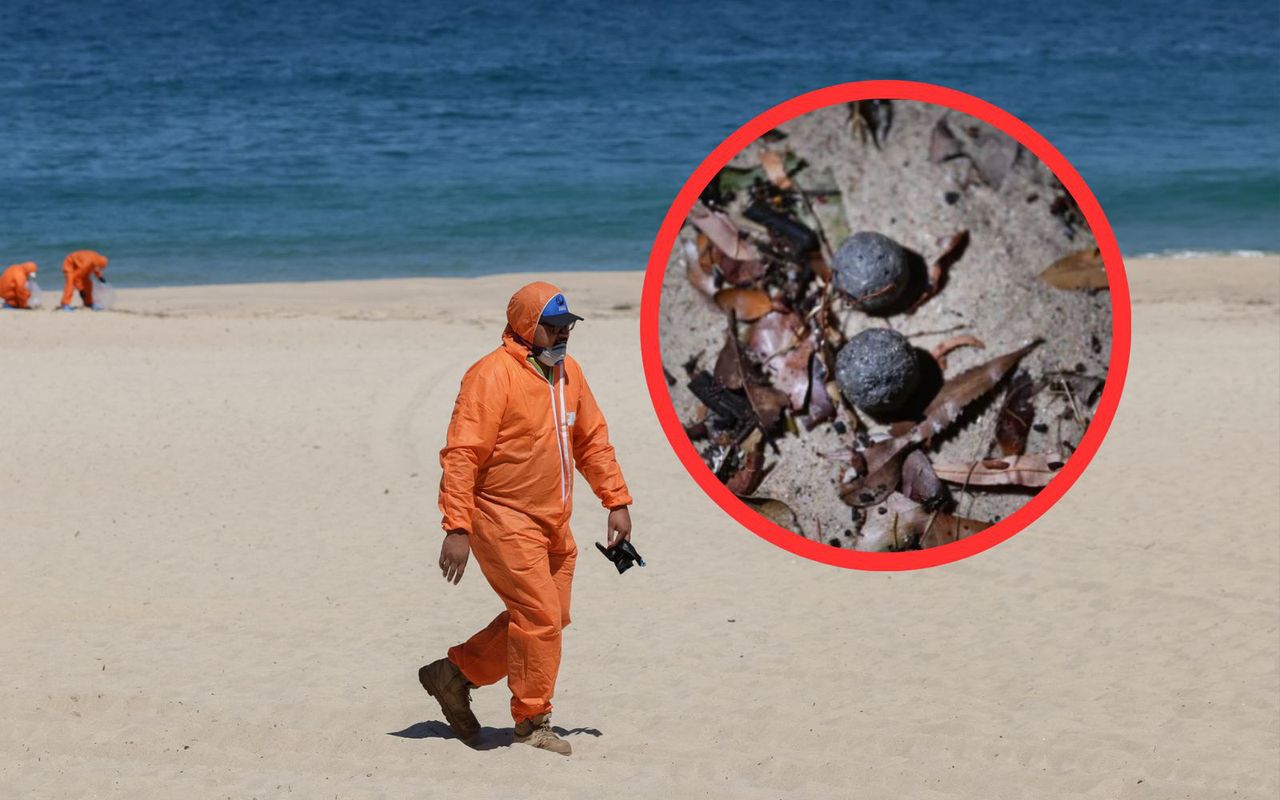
454	552
619	526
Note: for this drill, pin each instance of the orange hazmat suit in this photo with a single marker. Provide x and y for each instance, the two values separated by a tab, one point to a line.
514	440
14	290
78	269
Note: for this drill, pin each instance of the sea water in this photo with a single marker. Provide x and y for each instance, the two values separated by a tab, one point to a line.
225	142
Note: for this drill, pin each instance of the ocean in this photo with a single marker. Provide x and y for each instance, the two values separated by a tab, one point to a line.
228	142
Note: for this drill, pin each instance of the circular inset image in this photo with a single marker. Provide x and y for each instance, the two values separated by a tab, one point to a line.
885	325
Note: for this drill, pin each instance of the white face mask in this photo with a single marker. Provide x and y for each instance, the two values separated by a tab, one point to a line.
550	356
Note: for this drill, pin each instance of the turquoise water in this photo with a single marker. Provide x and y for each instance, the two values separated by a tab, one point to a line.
198	144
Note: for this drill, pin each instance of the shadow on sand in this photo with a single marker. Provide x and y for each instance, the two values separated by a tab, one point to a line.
488	738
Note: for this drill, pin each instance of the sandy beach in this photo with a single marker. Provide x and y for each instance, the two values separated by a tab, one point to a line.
220	537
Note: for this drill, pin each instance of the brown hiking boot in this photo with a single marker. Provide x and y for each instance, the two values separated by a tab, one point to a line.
537	731
446	683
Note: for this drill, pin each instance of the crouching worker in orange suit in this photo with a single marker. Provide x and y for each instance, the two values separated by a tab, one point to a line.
524	418
79	269
14	291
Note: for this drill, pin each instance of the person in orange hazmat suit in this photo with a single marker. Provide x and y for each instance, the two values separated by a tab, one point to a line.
14	290
79	268
523	419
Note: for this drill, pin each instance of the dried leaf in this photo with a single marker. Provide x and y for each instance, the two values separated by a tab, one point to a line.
893	525
739	273
768	403
921	484
963	389
880	478
775	169
723	233
821	408
774	341
1034	470
775	511
791	373
772	334
752	472
818	263
899	523
943	144
939	352
901	428
952	250
1016	415
1082	269
747	304
841	455
993	154
696	431
948	528
728	370
699	266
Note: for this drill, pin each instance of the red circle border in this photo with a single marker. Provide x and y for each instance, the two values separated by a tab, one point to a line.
887	90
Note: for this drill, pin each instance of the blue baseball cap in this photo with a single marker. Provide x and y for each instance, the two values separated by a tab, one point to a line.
556	312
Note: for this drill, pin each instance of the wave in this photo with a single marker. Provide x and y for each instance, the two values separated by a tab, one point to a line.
1207	254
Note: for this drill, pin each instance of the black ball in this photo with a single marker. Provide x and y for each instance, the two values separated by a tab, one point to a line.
872	270
877	370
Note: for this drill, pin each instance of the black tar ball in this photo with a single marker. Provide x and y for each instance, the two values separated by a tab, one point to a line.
872	270
877	370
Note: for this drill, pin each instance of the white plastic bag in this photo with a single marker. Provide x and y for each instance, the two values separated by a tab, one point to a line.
104	295
36	300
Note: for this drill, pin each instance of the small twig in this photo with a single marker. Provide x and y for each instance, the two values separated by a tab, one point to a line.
1071	397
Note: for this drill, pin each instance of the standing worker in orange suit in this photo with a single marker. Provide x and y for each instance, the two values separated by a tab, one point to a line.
14	290
524	418
79	268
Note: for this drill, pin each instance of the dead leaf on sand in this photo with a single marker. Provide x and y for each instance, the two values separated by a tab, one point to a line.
700	266
943	144
821	407
1033	470
900	523
939	352
963	389
1082	269
953	249
1016	415
775	169
921	484
775	342
775	511
752	471
748	304
723	233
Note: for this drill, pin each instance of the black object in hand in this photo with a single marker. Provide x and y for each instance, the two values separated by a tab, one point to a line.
622	554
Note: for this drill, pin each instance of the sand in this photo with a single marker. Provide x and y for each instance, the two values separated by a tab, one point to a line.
220	535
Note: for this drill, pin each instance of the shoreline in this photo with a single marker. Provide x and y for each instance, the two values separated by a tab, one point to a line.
1232	279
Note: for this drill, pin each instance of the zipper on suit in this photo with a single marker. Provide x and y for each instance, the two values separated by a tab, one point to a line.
555	418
